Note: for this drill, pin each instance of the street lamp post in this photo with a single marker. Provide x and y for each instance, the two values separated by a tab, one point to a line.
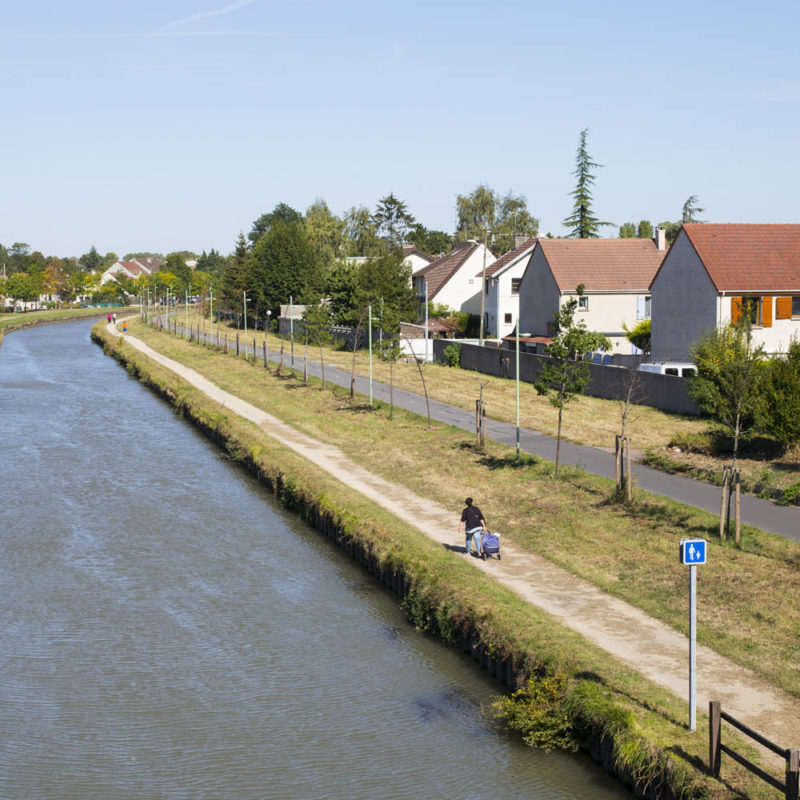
291	327
369	336
185	312
211	313
516	376
483	282
245	301
266	334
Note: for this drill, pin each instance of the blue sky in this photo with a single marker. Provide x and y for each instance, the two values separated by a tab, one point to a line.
173	124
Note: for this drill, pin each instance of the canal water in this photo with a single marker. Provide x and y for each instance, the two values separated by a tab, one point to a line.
167	631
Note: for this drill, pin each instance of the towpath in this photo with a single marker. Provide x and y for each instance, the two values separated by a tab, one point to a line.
652	648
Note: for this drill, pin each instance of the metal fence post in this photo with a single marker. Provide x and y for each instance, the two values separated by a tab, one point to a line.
714	740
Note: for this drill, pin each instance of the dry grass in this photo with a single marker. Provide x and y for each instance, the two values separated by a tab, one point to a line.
587	420
747	594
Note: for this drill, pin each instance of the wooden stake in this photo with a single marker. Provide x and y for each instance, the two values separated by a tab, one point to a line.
738	507
628	477
724	504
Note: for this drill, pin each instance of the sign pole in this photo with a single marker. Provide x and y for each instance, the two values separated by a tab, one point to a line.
693	647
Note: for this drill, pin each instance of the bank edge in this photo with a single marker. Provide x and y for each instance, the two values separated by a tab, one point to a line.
512	640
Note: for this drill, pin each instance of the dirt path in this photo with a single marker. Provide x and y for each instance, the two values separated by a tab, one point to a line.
643	643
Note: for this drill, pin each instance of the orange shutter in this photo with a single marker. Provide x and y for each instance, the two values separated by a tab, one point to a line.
736	309
783	308
766	312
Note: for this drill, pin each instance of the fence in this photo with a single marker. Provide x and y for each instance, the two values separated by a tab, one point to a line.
609	382
790	786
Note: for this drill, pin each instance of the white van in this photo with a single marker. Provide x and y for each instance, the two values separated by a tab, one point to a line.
681	369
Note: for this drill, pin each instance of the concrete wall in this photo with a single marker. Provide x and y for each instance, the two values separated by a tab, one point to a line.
610	382
683	304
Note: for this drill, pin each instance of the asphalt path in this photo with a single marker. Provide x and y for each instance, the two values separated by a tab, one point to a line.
764	514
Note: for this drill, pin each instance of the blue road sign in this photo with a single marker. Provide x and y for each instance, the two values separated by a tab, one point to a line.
693	551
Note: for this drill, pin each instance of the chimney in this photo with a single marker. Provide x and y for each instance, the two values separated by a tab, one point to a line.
661	238
519	238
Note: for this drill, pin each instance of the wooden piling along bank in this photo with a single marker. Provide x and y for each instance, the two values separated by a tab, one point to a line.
656	775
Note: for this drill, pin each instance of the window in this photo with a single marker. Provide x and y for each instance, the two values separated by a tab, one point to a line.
515	282
486	286
507	319
643	307
796	306
758	310
583	303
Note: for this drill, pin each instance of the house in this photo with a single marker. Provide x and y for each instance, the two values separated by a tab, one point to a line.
503	279
615	274
415	258
714	273
131	269
451	280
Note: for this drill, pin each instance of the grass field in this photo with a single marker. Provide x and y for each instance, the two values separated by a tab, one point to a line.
746	594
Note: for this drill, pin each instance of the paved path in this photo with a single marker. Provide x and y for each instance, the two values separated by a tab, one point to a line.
648	646
764	514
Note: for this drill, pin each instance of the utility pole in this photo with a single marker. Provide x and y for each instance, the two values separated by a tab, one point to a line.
483	282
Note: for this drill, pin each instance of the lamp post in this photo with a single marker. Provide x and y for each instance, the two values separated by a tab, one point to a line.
266	341
245	301
426	321
516	376
185	312
369	338
291	327
211	312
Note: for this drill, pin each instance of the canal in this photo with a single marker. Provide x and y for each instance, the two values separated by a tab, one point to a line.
168	631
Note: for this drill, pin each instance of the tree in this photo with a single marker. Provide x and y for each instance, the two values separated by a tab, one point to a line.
512	219
175	263
691	210
392	220
18	255
92	260
782	397
389	346
639	334
730	377
362	234
582	222
23	287
645	230
235	275
282	264
318	321
281	213
671	230
565	375
211	262
476	213
485	211
432	242
326	232
627	230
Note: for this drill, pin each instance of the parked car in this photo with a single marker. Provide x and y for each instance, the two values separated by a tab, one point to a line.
681	369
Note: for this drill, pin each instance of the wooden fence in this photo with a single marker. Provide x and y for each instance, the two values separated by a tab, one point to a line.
790	786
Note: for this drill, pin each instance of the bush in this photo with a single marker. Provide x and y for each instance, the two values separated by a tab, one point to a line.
452	355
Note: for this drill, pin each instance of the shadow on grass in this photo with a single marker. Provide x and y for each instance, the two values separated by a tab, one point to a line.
509	461
670	516
593	677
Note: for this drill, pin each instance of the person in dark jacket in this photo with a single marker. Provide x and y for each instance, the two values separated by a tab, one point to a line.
473	523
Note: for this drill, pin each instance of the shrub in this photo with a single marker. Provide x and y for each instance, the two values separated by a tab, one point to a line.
452	355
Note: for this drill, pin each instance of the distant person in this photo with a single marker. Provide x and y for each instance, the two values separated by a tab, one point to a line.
473	523
108	318
124	326
114	318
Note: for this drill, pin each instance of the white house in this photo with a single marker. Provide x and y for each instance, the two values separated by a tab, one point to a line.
503	280
714	273
130	269
451	280
615	274
414	257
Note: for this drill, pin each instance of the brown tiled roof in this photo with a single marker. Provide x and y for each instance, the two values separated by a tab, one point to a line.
411	250
508	257
747	257
438	272
602	264
134	267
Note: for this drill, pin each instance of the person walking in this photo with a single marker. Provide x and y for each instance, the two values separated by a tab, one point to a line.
474	524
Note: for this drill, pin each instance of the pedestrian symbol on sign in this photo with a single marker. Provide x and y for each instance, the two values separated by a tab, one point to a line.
693	551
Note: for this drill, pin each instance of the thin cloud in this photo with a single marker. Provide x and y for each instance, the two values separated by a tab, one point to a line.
176	23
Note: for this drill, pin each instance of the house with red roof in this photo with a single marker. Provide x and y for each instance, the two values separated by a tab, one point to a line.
715	273
503	279
615	275
453	279
130	269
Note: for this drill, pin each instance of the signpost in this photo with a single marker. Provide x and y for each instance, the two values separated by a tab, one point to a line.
693	553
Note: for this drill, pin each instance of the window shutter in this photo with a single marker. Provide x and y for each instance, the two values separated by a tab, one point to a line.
766	312
736	309
783	308
640	308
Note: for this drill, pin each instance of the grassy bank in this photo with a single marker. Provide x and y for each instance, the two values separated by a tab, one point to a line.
603	699
746	594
